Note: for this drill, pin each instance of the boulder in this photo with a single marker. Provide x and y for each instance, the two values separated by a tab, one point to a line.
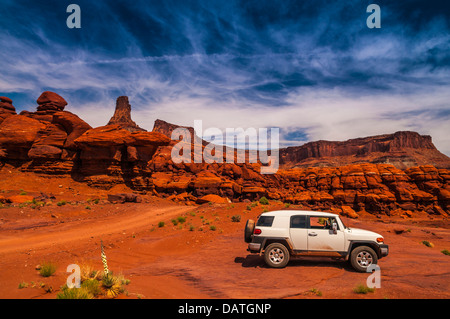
211	198
6	108
349	212
50	101
124	198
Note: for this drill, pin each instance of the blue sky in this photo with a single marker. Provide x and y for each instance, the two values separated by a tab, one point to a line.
312	68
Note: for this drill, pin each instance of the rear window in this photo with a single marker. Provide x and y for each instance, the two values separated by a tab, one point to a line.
298	221
265	221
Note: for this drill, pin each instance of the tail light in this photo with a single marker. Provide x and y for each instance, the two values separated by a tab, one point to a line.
380	239
257	231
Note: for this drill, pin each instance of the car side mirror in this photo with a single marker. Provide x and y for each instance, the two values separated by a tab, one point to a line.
334	227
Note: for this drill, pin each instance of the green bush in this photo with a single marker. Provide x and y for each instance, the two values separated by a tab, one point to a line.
427	243
23	285
316	292
445	252
61	203
47	269
264	201
74	293
92	286
161	224
181	219
361	289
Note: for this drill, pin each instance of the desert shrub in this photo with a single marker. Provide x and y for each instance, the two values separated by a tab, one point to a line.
74	293
236	218
23	285
174	222
36	204
161	224
112	285
212	227
287	205
315	291
61	203
427	243
88	272
191	227
47	269
445	252
361	289
181	219
92	286
264	201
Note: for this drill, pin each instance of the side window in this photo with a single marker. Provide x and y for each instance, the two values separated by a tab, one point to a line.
298	221
317	222
265	221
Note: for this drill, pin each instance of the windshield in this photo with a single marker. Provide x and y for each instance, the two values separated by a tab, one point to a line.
342	221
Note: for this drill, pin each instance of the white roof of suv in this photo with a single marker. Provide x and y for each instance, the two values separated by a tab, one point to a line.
289	213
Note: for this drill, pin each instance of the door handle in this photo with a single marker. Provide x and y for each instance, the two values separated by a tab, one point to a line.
312	234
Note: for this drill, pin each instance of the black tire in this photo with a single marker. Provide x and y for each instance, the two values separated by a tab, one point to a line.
362	257
248	232
276	255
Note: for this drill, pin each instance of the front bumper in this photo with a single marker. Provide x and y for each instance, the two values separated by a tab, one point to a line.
384	250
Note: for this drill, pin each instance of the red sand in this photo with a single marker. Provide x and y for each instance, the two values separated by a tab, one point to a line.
175	262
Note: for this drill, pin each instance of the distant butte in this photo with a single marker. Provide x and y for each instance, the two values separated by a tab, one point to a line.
403	149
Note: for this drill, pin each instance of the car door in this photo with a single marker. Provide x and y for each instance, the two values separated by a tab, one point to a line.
321	236
298	231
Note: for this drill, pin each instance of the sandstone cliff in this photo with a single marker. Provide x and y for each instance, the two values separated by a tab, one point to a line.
52	141
401	149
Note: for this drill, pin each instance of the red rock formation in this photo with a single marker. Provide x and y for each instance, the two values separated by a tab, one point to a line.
122	115
402	149
50	101
17	135
6	108
53	141
111	155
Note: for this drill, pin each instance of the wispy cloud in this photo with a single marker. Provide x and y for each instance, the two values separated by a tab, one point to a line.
312	69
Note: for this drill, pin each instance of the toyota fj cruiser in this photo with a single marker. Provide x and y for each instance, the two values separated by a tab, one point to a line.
281	234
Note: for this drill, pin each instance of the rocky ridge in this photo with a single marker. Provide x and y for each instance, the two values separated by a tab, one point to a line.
52	141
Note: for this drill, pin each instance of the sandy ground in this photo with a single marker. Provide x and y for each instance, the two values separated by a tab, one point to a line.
204	257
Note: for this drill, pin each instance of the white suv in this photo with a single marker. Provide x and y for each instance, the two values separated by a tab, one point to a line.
281	234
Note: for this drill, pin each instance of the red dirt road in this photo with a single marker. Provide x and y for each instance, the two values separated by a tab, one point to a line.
174	262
